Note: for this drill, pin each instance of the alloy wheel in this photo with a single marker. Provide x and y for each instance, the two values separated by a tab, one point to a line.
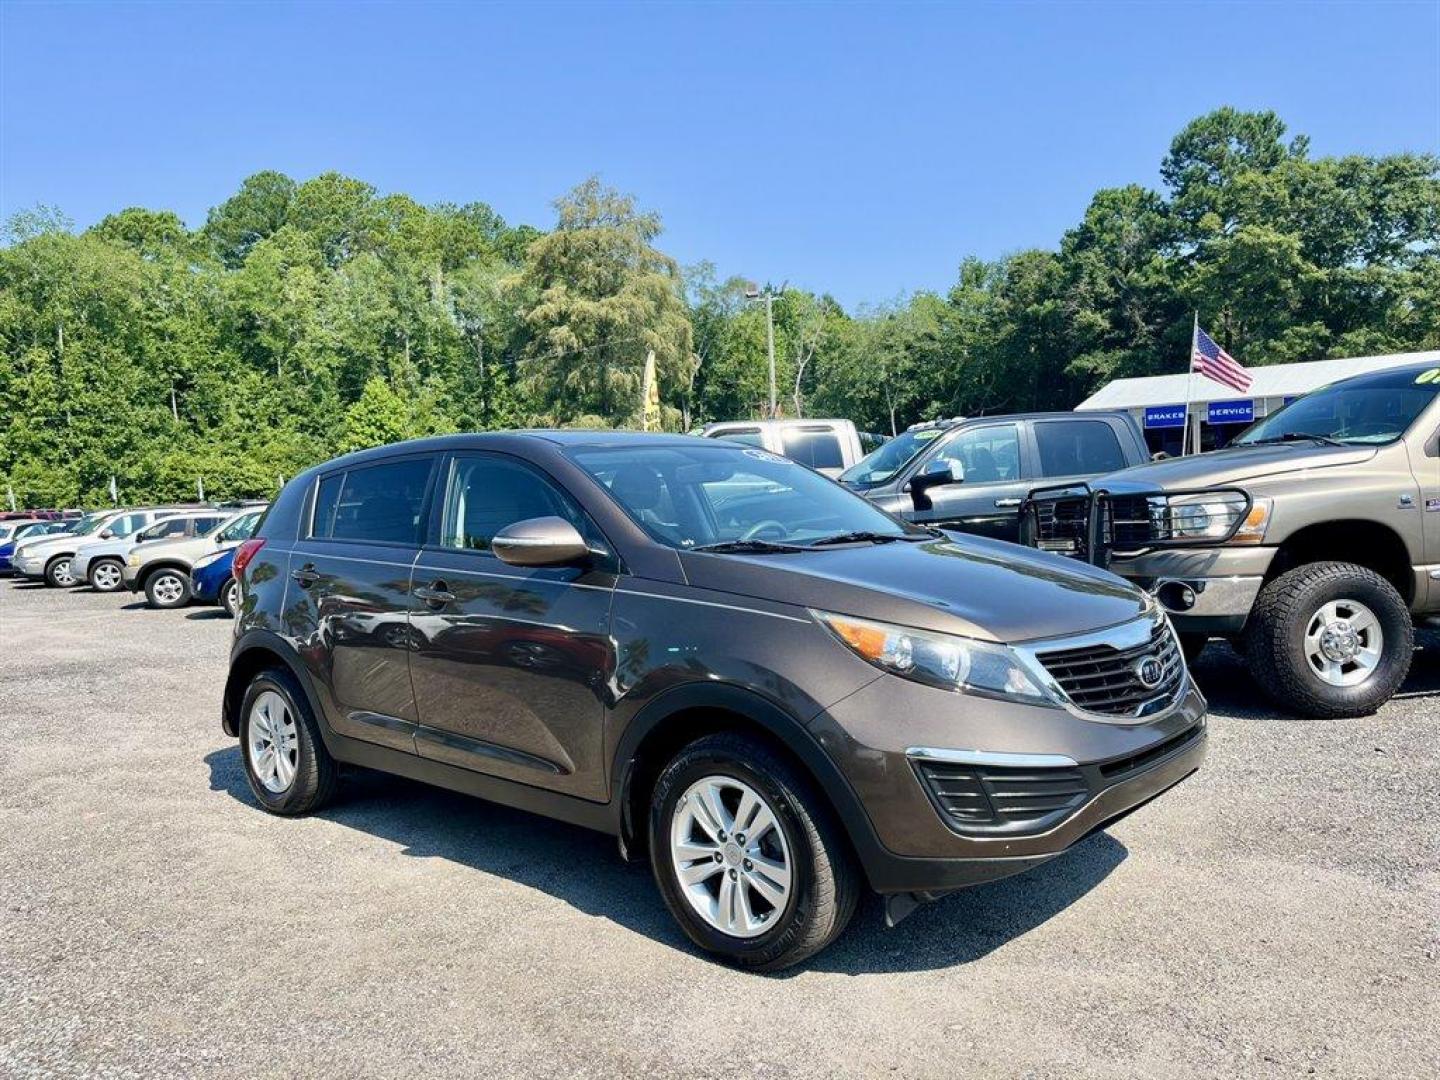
273	742
106	577
730	856
169	590
231	598
61	574
1344	643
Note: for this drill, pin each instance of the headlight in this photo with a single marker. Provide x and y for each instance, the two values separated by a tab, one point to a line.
205	560
1214	515
941	660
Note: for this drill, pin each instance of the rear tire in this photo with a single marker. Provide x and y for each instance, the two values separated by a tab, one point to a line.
1293	658
106	575
167	588
822	884
57	573
275	713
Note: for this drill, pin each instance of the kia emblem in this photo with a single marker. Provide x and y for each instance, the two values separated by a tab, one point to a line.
1150	671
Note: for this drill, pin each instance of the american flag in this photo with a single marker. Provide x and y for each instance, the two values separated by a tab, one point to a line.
1215	363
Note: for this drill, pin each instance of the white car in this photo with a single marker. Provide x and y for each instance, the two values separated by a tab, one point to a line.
102	562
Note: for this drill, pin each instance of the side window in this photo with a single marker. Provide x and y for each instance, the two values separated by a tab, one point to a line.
380	503
748	436
817	447
486	493
986	455
124	526
1072	447
171	527
240	528
204	524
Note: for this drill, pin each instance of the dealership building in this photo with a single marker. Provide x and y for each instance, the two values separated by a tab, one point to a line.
1217	413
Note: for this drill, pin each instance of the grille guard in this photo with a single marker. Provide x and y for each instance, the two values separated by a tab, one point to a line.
1096	546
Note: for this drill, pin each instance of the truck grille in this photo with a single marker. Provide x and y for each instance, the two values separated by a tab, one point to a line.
1105	679
999	799
1062	525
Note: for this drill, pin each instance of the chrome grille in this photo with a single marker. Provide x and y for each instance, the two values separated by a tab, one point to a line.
1102	678
1061	525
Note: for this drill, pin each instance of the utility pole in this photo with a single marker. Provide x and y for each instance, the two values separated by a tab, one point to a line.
753	293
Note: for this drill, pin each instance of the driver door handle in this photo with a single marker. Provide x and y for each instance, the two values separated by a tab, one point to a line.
305	576
1007	502
435	594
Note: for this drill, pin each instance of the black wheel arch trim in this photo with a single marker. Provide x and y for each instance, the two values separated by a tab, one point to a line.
268	641
874	857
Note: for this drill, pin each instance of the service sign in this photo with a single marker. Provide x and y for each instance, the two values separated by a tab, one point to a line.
1165	416
1230	412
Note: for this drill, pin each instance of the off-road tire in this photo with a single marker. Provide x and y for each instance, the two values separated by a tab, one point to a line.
1274	639
316	773
827	880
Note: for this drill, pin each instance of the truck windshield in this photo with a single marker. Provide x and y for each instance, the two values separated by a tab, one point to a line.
880	465
1365	411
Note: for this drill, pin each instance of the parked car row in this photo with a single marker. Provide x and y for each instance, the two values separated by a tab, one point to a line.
154	550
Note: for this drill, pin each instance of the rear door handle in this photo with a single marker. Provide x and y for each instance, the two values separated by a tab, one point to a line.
306	576
435	594
1007	502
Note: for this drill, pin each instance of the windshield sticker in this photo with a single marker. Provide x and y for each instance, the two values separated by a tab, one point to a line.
926	436
1425	378
762	455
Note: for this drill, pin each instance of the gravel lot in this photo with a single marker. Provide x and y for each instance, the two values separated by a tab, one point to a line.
1276	915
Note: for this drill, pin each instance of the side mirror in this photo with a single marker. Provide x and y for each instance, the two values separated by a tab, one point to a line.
935	474
107	534
542	541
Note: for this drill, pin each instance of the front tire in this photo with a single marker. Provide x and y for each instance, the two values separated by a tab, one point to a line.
230	598
167	589
57	573
1330	640
286	764
106	575
747	855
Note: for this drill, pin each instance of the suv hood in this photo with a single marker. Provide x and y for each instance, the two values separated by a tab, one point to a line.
1232	466
979	588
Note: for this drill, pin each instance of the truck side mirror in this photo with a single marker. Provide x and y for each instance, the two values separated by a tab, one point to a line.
935	474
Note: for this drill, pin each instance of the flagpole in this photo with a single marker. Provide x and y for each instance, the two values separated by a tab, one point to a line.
1190	383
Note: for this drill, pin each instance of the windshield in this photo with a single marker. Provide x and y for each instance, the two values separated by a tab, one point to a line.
236	528
716	494
90	523
880	465
1364	411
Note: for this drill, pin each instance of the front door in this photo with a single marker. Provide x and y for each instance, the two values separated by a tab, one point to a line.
510	664
987	500
348	597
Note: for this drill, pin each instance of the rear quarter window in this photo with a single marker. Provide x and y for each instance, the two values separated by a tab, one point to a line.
381	503
818	448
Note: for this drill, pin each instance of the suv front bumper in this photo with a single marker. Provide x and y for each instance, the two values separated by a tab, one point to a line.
1224	580
924	849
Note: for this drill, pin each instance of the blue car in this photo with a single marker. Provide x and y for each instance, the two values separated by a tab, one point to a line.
210	580
26	530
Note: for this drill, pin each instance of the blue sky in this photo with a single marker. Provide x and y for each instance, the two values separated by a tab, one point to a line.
859	149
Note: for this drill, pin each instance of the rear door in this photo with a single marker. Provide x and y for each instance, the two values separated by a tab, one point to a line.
510	664
348	597
996	475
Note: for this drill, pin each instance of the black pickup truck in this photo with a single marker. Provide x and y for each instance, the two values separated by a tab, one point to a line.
971	474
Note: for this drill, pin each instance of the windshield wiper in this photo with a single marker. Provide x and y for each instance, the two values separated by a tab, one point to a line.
858	537
747	547
1295	436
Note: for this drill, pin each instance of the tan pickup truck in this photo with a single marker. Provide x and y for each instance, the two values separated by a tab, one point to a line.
1312	541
